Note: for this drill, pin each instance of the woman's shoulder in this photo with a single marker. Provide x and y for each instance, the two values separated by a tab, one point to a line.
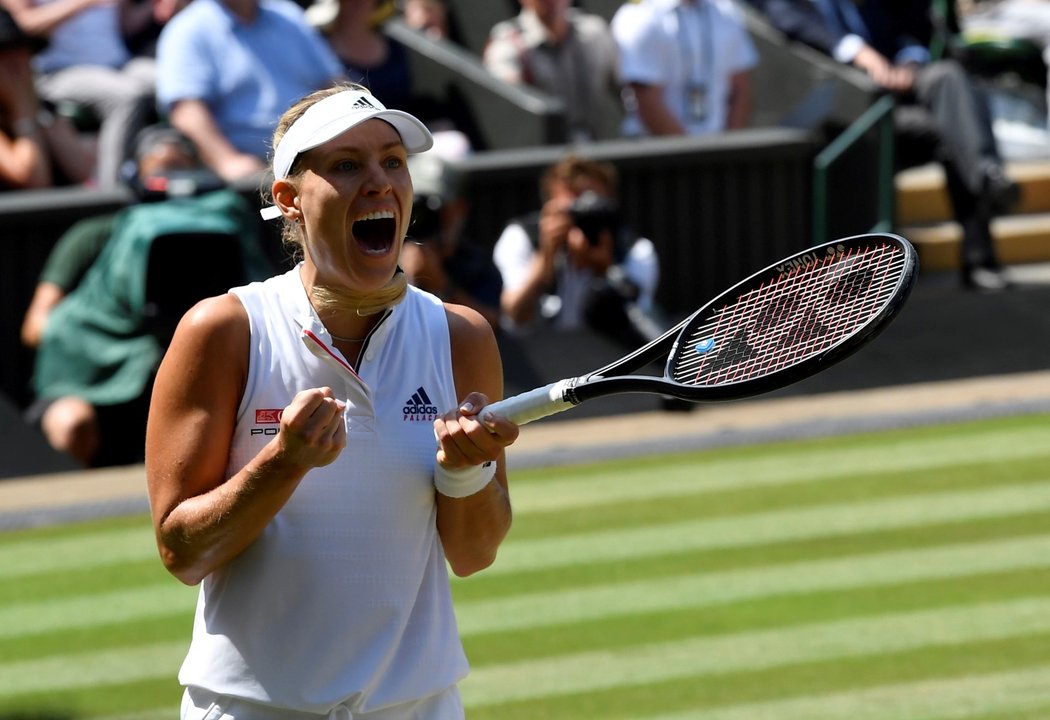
212	339
461	319
476	362
468	330
220	314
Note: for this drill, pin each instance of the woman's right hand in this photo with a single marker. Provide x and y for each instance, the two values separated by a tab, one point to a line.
313	429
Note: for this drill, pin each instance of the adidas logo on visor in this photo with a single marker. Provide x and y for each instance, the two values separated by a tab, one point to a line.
363	104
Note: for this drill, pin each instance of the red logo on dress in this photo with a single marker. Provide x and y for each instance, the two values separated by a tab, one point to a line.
268	417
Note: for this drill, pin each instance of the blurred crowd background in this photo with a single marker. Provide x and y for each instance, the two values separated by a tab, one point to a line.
651	152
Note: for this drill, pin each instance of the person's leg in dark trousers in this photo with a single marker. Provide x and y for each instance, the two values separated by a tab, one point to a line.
962	118
949	122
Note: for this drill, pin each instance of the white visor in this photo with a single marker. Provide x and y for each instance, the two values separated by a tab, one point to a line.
333	116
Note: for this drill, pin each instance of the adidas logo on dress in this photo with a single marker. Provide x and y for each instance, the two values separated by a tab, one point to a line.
420	408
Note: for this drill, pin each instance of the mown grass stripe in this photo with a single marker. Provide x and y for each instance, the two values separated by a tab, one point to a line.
32	556
103	699
87	611
775	645
153	714
751	651
100	548
605	601
832	677
538	610
84	581
638	481
123	545
57	673
830	521
105	637
954	698
598	671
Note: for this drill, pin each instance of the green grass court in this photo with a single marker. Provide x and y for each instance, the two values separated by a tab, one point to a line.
890	576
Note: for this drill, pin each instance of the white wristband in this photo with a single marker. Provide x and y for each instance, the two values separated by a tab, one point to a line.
465	481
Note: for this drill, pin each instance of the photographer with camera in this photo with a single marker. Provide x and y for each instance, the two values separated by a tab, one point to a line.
114	286
162	156
574	263
435	256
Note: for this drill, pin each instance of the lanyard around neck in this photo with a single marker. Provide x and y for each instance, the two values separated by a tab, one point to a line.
697	73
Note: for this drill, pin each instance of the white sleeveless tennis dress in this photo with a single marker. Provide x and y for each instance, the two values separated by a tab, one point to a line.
342	605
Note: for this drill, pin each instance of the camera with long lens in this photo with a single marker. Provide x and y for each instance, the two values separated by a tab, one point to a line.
426	218
177	184
593	214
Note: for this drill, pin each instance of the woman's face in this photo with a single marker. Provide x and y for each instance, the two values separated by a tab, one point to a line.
355	196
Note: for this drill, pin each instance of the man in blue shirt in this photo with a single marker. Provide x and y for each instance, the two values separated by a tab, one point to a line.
227	69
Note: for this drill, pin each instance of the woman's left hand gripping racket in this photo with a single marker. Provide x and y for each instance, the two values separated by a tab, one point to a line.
782	324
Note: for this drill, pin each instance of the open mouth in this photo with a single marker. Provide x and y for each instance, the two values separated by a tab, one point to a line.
375	232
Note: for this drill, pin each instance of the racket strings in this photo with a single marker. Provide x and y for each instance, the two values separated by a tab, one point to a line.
851	295
802	311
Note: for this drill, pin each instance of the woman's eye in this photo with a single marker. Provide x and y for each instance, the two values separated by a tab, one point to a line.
394	163
346	165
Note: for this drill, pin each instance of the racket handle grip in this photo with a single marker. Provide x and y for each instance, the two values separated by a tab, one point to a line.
531	405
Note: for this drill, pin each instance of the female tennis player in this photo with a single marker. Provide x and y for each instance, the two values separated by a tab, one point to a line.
291	456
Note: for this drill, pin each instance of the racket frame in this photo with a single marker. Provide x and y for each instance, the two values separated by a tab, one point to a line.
564	394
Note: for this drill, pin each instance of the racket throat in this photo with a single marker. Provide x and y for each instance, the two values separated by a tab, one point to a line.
567	389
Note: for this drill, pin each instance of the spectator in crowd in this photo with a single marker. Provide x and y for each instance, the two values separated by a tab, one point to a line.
353	29
435	256
566	53
38	149
429	17
939	116
160	154
227	69
575	263
112	288
686	65
150	17
87	64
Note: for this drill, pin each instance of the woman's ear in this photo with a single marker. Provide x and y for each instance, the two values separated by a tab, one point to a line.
286	198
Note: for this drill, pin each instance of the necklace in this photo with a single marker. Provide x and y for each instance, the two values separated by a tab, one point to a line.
347	340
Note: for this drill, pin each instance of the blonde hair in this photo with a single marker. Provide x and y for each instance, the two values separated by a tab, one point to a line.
293	234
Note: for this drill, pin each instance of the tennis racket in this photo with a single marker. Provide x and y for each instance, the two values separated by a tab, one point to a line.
782	324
